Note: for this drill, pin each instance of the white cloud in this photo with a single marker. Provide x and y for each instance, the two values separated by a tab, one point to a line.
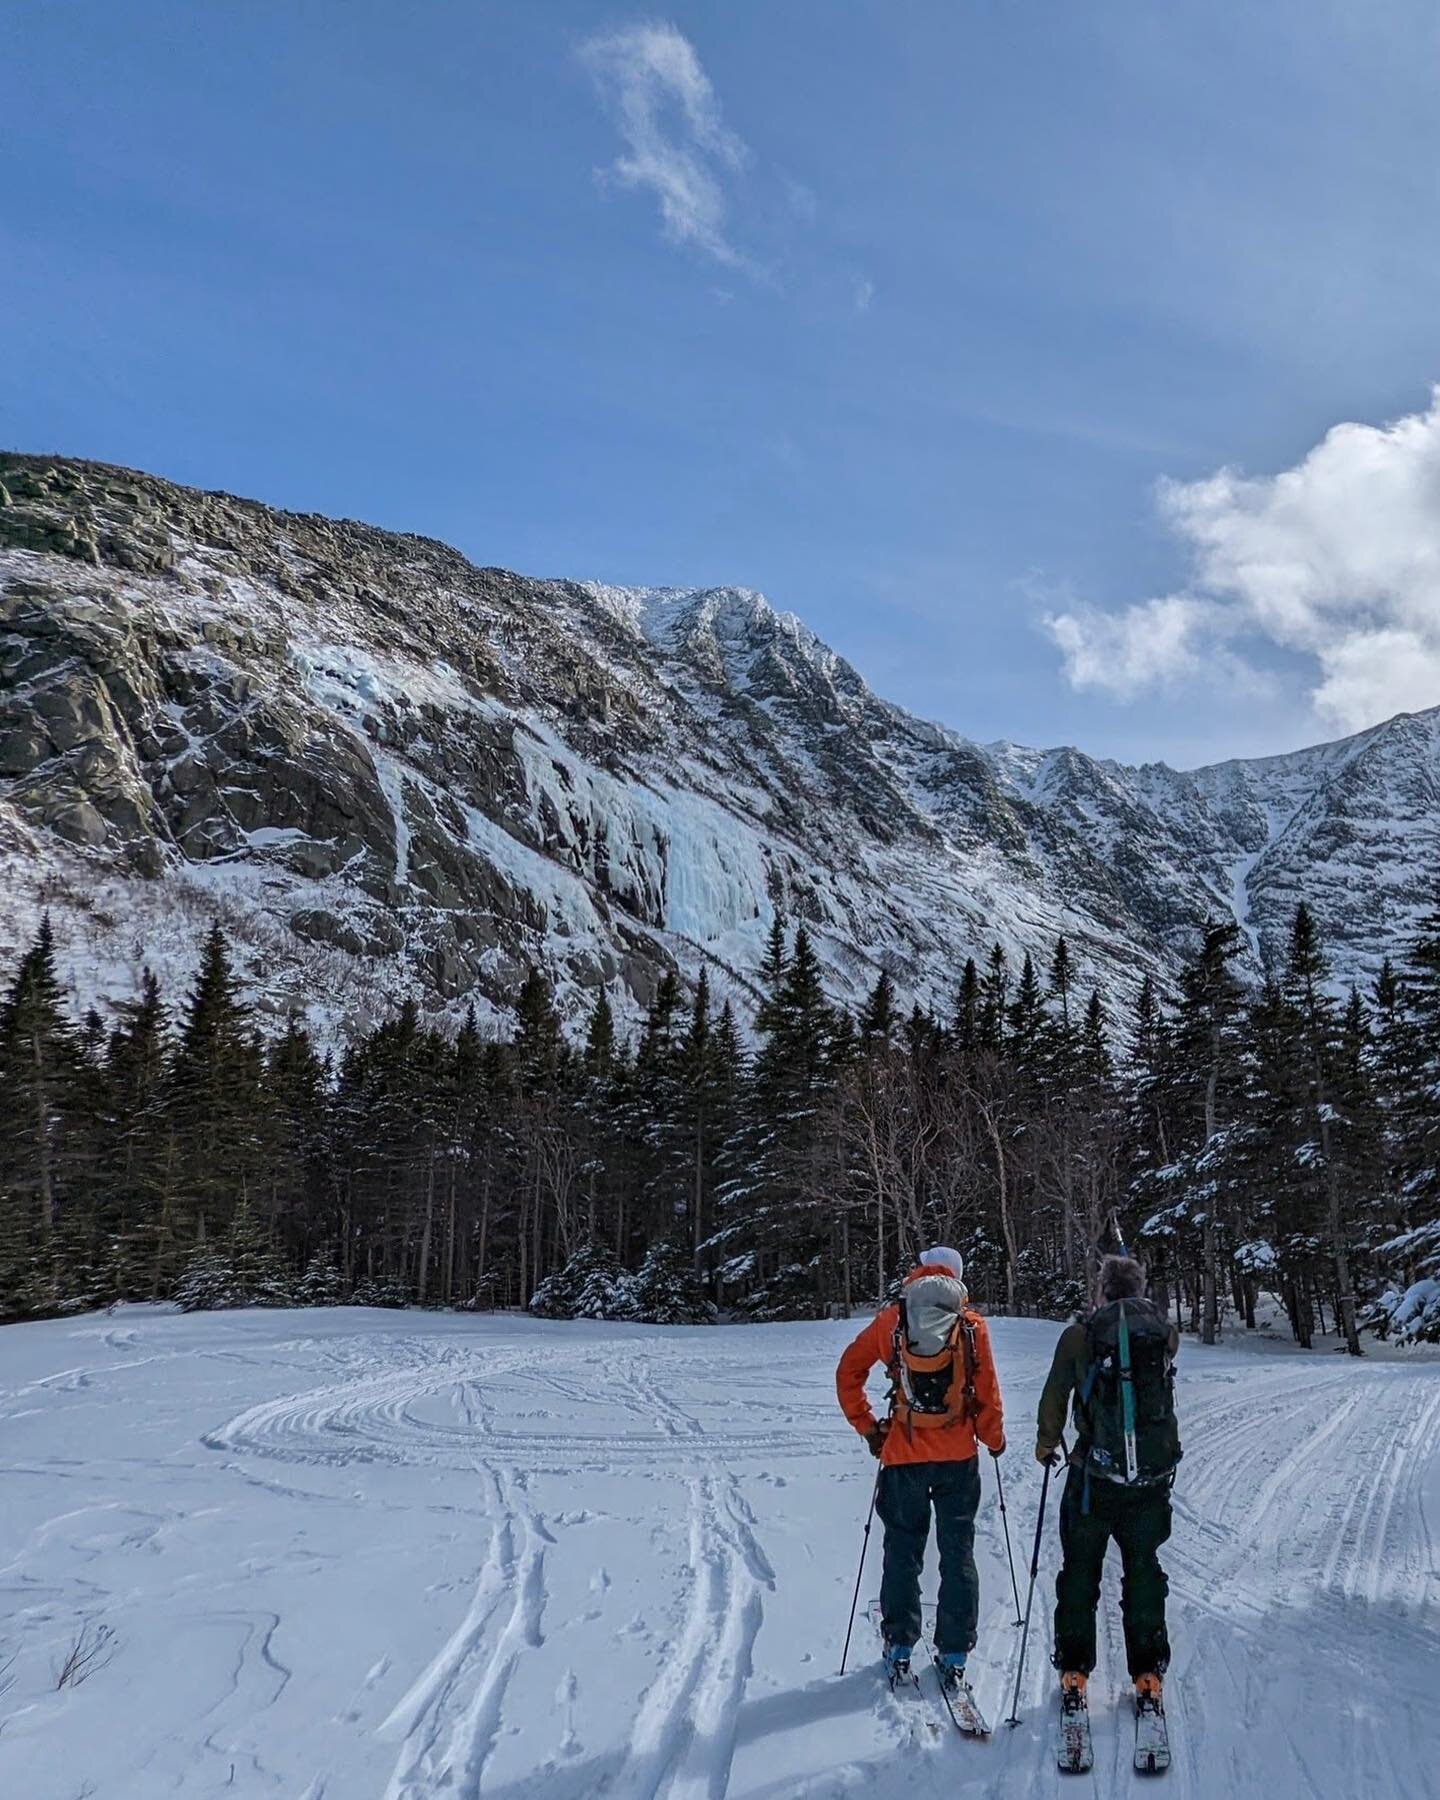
676	144
864	294
1156	644
1336	560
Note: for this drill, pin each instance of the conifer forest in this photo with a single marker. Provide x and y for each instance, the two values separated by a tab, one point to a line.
1277	1140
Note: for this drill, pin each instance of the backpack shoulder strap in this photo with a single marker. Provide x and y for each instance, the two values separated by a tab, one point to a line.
1095	1360
902	1333
971	1357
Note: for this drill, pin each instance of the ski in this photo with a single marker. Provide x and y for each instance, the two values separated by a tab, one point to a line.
905	1686
960	1703
959	1696
1076	1757
1152	1740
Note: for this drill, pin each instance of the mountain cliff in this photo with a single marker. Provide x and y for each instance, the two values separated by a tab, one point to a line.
386	770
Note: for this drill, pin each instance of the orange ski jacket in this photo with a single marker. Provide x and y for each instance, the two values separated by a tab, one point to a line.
921	1440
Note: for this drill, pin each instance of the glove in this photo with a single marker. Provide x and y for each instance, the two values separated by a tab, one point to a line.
997	1454
876	1435
1047	1454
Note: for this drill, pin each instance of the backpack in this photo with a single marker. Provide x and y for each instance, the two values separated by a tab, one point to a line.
1126	1407
932	1390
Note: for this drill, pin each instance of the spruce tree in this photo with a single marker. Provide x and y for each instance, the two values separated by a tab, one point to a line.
1062	979
965	1033
877	1017
1306	973
779	1194
600	1036
1203	1078
994	999
139	1151
1414	1067
538	1049
215	1106
40	1063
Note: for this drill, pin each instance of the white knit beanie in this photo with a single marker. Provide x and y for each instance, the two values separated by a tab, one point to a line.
942	1258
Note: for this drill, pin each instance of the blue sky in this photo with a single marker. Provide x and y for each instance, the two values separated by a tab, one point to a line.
940	322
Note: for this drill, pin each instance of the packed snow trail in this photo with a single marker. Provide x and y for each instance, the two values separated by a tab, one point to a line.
352	1555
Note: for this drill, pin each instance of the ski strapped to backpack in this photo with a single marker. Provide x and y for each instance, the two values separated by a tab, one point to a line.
931	1391
1127	1398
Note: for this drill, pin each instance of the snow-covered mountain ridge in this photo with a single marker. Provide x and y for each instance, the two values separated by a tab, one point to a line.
386	770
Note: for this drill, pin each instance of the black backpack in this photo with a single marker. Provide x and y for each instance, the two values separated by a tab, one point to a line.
1127	1406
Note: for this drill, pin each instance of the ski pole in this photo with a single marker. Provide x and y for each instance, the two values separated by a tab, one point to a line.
860	1572
1005	1522
1014	1718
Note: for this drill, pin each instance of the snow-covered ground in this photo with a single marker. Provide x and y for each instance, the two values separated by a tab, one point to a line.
382	1556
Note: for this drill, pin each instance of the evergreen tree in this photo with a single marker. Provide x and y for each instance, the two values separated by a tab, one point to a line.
1026	1019
877	1019
138	1145
773	969
966	1030
1306	972
1414	1068
40	1065
994	999
664	1290
779	1195
321	1284
215	1109
1062	979
1202	1081
538	1050
600	1037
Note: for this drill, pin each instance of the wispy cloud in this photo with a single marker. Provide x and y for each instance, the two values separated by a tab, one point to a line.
676	144
864	294
1336	560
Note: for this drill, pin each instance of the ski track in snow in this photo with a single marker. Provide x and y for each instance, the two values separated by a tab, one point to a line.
408	1557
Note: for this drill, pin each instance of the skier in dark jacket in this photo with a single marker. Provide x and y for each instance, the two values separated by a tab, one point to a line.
1119	1483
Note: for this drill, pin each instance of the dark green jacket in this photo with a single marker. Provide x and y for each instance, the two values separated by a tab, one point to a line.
1067	1375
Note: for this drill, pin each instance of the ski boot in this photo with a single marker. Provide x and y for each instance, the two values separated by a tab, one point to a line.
951	1664
897	1663
1149	1694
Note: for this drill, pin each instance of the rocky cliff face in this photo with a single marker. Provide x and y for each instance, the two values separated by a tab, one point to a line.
385	769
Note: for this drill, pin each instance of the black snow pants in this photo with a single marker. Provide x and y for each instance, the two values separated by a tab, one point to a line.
907	1493
1139	1521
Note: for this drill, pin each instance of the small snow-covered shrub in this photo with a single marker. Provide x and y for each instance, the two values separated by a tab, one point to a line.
790	1293
380	1290
584	1289
320	1285
207	1283
1410	1315
665	1290
243	1271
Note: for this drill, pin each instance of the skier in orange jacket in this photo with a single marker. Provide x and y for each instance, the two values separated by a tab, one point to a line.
944	1403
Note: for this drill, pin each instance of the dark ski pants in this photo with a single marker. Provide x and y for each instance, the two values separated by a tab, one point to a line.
907	1493
1139	1521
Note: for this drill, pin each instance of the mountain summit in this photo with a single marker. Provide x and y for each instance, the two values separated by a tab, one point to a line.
385	770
